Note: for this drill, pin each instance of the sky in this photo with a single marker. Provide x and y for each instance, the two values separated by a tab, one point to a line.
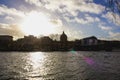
77	18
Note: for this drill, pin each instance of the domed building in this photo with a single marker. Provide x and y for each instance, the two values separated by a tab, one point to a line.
63	37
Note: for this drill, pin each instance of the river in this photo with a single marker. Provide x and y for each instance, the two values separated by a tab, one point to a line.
72	65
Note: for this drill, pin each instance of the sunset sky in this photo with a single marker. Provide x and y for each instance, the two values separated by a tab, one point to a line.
78	18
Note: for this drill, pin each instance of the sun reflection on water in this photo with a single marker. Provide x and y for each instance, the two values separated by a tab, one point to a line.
37	59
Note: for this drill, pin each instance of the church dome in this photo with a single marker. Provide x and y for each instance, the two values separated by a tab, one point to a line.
63	37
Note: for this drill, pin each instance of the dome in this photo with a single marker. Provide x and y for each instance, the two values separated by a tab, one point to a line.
63	37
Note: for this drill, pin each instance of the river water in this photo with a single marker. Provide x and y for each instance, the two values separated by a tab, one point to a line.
60	65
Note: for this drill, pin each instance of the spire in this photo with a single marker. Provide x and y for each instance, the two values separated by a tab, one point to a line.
63	32
63	37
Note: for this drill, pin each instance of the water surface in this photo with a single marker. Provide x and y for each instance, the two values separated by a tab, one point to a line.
60	65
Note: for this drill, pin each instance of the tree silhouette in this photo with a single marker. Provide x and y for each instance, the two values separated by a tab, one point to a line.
55	36
114	5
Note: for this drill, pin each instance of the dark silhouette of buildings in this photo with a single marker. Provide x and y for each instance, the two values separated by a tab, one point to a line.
89	41
6	38
63	38
5	42
45	43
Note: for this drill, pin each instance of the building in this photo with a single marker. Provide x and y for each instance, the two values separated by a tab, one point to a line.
89	41
27	40
63	37
6	38
45	43
5	42
45	40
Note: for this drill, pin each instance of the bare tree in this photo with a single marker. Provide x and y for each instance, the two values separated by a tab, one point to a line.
55	36
114	5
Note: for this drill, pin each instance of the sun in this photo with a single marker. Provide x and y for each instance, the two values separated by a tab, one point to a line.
37	24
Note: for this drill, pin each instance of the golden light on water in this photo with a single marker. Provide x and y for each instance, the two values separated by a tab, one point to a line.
37	24
37	59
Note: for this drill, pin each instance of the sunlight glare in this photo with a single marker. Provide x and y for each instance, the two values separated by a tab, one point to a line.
37	24
37	59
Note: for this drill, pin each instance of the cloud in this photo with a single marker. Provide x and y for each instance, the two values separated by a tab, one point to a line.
90	7
87	20
114	35
57	22
37	2
4	10
73	34
70	6
10	15
105	28
112	17
66	11
9	18
83	20
10	29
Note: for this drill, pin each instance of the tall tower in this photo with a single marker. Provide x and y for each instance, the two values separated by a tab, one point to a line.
63	37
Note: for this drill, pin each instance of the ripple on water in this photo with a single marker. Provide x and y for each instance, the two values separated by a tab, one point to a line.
59	66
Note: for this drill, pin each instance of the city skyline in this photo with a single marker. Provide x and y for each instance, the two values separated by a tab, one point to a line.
78	18
45	43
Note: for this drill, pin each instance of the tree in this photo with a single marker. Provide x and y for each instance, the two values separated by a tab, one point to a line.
114	5
55	36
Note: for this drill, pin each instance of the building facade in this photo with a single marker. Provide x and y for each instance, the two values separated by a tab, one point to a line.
63	37
89	41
